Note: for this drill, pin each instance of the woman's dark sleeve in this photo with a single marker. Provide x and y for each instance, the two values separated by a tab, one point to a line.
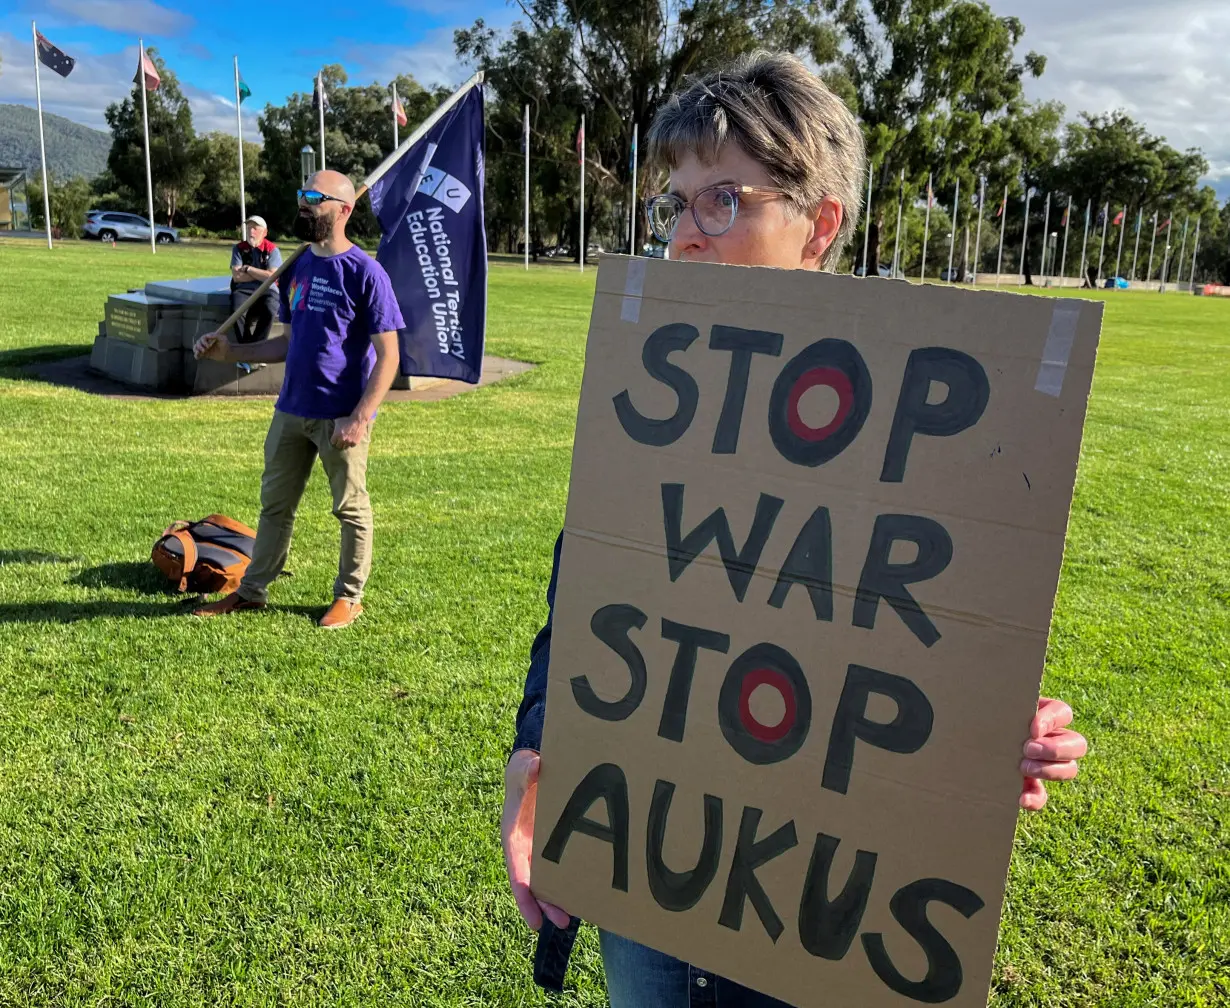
534	701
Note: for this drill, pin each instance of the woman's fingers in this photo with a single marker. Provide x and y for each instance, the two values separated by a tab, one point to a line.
1061	745
1050	717
1033	795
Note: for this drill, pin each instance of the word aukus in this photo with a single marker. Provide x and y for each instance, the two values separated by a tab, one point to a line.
827	926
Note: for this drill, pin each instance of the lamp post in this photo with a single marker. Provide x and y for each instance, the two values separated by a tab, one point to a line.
307	162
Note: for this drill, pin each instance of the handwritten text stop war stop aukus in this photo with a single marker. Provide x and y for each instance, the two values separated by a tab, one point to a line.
827	924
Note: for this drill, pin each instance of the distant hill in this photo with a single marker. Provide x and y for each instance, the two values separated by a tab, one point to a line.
72	149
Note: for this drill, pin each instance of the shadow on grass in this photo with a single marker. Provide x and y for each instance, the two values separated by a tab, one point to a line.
25	356
81	612
131	576
78	612
31	557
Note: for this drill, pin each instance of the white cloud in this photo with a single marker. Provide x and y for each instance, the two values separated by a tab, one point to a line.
102	79
1164	62
431	62
82	96
134	16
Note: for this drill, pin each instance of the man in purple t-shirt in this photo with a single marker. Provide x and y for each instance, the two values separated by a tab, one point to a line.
341	357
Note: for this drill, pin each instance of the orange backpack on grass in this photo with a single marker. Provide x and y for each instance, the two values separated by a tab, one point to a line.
207	556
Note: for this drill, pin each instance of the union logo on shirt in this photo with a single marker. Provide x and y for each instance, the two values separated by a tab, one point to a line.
296	294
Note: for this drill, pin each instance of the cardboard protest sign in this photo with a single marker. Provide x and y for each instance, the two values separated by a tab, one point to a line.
814	533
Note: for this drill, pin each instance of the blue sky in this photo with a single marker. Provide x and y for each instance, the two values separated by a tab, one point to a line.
280	46
1162	60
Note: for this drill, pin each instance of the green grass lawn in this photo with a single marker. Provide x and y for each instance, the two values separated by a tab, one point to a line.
252	812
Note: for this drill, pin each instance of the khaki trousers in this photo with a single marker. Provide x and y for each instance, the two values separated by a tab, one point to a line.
292	445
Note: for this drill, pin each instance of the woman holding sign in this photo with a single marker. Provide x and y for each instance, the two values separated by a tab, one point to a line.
766	169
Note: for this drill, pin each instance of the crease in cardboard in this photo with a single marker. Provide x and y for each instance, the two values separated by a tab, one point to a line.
640	546
634	287
851	316
1058	349
836	489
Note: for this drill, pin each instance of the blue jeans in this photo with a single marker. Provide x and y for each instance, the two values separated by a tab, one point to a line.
639	977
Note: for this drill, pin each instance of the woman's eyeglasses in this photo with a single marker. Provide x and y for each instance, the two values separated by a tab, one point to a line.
312	197
714	209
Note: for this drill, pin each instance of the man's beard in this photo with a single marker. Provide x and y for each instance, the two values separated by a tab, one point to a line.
312	227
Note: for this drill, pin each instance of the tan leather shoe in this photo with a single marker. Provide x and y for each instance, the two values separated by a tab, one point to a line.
342	613
228	604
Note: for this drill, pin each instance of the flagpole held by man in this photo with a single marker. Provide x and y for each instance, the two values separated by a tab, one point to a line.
57	61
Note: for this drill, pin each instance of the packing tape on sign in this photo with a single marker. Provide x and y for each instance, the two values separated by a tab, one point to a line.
1057	349
634	287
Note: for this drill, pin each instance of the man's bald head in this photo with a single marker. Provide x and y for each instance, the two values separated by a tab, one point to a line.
332	183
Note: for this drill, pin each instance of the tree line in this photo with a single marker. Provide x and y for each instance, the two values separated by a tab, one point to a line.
939	86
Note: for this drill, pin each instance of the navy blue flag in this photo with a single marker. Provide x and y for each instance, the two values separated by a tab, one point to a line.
434	246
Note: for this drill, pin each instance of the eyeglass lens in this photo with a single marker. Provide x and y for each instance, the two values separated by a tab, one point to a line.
713	210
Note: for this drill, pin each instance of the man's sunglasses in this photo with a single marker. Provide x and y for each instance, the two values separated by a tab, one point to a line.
312	197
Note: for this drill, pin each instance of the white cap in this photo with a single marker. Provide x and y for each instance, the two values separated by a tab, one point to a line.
258	221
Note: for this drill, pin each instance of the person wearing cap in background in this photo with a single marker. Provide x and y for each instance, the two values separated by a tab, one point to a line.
251	262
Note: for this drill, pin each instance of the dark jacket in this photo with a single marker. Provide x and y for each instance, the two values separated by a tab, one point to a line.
259	256
554	944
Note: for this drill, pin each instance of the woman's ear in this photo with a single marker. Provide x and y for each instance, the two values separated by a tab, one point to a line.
826	222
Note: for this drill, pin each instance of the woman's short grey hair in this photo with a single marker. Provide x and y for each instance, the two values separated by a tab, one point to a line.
783	116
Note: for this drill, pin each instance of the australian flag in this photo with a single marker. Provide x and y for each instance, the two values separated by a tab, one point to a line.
53	58
434	244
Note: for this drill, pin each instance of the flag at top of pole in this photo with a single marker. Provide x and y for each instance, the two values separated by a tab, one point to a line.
242	91
147	70
62	64
434	245
52	58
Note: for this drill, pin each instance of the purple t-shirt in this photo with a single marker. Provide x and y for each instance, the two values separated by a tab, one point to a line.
334	306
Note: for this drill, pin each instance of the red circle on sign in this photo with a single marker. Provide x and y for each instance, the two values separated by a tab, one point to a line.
776	679
839	382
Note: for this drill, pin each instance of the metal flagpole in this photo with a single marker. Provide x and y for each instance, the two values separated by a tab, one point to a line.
1102	248
526	142
1029	191
1152	245
1178	274
867	219
243	204
982	206
635	166
1191	277
320	108
396	141
1046	236
149	180
581	256
922	272
1122	229
1136	249
897	235
1085	240
1063	262
952	231
42	145
1003	221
